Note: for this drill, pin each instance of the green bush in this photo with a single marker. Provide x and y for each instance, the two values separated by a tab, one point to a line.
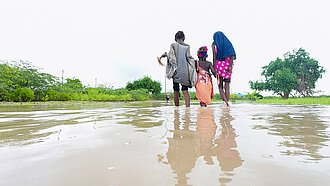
22	95
145	83
41	95
217	96
162	96
58	96
254	96
235	97
139	95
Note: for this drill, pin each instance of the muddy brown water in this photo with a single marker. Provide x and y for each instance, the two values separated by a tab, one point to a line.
155	143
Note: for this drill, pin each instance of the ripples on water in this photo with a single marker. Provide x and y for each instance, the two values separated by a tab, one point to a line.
207	135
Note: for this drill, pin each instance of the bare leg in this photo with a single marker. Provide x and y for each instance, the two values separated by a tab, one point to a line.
186	98
222	93
176	98
227	90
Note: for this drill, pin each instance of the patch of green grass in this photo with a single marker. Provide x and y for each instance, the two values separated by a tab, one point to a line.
296	101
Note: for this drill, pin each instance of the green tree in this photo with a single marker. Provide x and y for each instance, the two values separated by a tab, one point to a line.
73	85
20	74
297	71
7	78
145	83
306	69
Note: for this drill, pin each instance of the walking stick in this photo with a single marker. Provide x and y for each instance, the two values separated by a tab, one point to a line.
159	59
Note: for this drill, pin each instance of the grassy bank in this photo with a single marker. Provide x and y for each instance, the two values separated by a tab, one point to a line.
296	101
320	100
94	96
49	103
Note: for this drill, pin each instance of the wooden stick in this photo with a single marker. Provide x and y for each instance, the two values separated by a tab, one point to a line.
159	61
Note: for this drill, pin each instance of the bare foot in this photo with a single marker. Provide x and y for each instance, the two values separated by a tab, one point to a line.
202	105
225	105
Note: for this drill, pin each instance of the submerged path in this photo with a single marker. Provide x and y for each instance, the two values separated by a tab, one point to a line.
155	143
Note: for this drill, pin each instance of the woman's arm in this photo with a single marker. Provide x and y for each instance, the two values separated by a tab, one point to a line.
231	60
214	56
230	64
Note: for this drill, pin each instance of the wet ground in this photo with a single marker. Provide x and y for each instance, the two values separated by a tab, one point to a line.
156	143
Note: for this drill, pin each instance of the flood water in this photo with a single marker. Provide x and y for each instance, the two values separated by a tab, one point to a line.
155	143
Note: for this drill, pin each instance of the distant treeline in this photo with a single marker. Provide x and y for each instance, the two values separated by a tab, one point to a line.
21	81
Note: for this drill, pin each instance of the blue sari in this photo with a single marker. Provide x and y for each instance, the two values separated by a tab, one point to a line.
224	46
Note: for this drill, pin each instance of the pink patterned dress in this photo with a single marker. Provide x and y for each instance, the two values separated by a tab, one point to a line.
222	66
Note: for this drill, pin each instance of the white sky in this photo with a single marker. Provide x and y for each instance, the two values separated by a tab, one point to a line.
118	41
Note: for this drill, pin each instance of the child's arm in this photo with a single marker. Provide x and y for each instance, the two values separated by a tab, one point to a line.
171	58
212	70
196	66
164	55
188	55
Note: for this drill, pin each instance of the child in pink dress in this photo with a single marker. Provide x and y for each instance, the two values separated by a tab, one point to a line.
223	61
204	85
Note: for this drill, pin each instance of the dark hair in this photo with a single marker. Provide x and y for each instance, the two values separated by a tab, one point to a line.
202	49
179	35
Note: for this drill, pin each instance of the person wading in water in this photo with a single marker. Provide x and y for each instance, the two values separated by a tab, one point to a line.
181	68
223	62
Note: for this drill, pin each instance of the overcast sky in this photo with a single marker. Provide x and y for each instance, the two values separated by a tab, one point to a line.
118	41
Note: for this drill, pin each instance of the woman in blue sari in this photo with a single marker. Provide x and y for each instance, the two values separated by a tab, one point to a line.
223	62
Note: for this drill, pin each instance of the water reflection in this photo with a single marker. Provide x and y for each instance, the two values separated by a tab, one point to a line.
304	133
228	158
23	125
187	145
141	117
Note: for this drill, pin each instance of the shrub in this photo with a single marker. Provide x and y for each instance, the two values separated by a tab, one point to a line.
58	96
145	83
22	95
235	97
254	96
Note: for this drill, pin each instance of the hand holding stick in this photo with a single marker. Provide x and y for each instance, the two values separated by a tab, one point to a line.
159	58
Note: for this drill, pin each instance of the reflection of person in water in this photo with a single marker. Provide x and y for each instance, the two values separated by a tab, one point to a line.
206	129
186	146
228	158
182	151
